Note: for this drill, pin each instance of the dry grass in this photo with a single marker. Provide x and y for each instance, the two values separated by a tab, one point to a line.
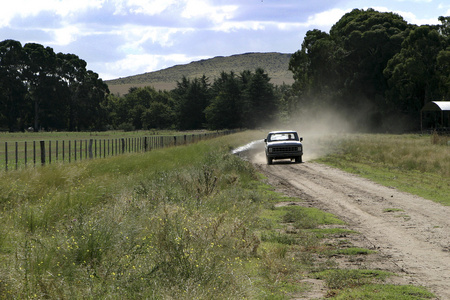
419	164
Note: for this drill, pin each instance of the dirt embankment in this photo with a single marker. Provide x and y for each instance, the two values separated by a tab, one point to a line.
410	234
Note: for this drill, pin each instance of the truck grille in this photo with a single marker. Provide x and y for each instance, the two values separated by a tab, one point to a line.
285	149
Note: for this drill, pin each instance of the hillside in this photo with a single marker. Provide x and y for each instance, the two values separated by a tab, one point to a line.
275	64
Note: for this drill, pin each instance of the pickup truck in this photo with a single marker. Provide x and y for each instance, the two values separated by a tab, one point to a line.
283	145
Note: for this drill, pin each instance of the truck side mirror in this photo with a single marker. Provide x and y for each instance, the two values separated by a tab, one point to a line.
265	140
301	139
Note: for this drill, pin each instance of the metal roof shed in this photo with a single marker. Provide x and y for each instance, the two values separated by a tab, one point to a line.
441	106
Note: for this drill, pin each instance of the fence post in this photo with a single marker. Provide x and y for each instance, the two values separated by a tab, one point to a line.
91	155
6	156
49	152
34	153
26	154
42	152
174	140
17	155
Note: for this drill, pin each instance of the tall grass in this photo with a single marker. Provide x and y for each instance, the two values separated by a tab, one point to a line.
419	164
172	223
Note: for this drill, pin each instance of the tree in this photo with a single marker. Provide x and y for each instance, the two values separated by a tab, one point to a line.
411	73
344	69
12	89
259	103
40	75
225	110
192	97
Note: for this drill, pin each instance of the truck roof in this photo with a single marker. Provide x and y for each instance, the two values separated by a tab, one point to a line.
283	131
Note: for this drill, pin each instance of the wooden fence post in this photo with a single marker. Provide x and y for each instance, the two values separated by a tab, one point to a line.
26	150
49	152
145	144
91	155
42	152
17	155
6	156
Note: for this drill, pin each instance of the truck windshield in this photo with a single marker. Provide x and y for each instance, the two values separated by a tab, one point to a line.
288	136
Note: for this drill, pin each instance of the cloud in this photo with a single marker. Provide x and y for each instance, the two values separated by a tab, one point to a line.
146	7
409	16
326	18
204	9
142	63
126	37
64	8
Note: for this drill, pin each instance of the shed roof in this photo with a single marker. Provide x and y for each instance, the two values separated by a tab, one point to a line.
437	106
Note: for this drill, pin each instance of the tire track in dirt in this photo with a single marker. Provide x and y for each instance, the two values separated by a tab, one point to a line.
415	236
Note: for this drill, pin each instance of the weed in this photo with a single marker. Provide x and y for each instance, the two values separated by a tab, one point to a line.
408	162
379	291
354	251
344	278
388	210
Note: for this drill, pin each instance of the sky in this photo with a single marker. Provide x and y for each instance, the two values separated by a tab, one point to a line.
120	38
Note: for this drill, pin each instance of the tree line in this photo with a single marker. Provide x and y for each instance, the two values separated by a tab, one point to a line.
232	100
372	67
375	67
43	89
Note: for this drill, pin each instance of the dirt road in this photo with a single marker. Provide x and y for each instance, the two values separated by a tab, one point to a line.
410	234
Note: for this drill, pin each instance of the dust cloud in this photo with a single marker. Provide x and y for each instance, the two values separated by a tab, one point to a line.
321	130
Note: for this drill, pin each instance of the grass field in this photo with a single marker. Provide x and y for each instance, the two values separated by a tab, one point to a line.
18	150
187	222
419	164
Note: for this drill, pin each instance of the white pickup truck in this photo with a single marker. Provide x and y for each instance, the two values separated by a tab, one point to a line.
283	145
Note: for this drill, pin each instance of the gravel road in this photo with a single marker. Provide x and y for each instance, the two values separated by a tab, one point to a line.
410	234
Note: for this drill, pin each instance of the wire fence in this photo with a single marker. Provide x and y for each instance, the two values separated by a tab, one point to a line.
17	155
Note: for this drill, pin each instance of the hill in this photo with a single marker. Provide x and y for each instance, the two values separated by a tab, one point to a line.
275	64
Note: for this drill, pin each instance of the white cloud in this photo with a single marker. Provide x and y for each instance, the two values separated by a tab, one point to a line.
142	63
326	18
245	25
410	17
136	36
65	35
203	9
147	7
27	8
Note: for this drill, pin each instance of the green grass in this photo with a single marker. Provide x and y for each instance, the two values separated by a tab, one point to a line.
384	292
188	222
23	149
413	163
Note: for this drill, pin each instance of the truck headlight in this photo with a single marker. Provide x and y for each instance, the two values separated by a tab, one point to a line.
299	149
270	150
